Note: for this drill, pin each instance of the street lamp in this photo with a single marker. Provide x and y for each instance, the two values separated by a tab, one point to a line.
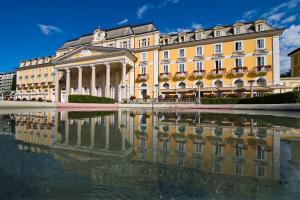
251	87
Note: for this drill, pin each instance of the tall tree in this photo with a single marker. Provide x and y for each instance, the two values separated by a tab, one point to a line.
14	83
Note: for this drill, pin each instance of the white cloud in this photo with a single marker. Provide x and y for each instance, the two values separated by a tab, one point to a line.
144	8
48	29
249	15
286	6
184	29
275	17
166	2
288	42
196	25
289	19
123	21
141	10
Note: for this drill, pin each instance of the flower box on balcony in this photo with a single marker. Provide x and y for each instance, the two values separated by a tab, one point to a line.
165	76
143	77
260	71
165	61
237	72
181	75
181	60
216	73
198	74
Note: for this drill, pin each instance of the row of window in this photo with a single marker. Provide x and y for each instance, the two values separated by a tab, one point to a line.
39	71
238	47
218	64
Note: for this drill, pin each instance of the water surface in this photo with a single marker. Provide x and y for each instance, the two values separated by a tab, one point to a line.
148	154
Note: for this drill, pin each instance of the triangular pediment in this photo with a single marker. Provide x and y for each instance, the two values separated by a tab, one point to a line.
85	52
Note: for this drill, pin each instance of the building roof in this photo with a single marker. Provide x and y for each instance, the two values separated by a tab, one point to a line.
296	50
121	31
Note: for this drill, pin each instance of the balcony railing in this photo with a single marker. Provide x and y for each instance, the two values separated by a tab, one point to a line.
221	71
216	73
239	70
181	75
265	68
198	74
165	76
143	77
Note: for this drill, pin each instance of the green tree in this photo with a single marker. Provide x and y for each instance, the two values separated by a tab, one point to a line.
14	83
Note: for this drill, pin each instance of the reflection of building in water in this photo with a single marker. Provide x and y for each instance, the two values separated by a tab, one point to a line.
5	125
295	153
36	128
132	148
239	147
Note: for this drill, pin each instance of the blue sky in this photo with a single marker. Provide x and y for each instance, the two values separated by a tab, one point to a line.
34	28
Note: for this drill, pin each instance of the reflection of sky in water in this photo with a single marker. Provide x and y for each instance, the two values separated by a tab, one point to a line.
140	154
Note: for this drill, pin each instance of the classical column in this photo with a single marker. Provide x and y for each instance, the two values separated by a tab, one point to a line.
107	85
92	122
93	81
79	80
68	81
106	124
56	86
123	80
67	125
78	132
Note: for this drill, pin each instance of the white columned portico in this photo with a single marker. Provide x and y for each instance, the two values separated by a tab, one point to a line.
93	81
107	85
56	86
123	80
68	81
79	80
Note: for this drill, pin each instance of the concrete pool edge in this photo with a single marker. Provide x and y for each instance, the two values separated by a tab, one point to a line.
282	107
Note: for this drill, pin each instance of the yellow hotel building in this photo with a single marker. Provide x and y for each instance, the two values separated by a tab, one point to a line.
137	61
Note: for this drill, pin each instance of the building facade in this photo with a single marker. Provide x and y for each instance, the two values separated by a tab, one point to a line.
295	62
136	61
6	80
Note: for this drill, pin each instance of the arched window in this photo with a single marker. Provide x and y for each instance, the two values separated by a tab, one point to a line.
218	131
218	83
181	129
166	86
239	83
261	82
181	85
199	83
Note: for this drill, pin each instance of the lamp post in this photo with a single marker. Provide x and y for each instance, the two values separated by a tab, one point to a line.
251	87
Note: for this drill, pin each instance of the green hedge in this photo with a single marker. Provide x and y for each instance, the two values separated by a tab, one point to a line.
225	100
89	99
86	114
288	97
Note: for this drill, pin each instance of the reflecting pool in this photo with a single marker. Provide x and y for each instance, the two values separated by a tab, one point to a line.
148	154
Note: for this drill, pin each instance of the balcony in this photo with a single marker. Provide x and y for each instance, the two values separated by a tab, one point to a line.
20	77
165	76
181	75
165	61
216	73
181	59
260	71
198	74
46	75
237	72
143	77
39	75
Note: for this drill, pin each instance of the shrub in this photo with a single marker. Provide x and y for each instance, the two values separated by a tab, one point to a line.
33	99
49	100
11	99
24	99
18	99
211	95
132	98
289	97
232	95
89	99
220	100
40	99
80	114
